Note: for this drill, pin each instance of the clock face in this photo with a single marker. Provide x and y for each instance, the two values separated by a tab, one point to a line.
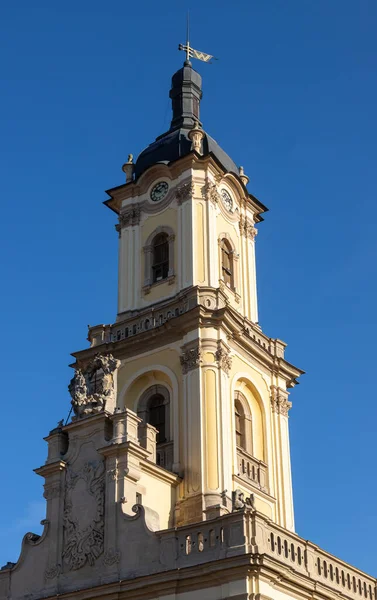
159	191
227	200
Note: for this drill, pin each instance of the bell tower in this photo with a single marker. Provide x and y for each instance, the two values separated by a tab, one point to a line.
172	480
193	360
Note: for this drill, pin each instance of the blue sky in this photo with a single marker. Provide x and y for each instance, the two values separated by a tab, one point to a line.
293	99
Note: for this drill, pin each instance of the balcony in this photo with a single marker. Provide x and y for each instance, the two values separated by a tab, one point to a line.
164	455
251	470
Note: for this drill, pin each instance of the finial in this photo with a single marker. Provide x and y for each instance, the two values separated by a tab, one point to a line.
244	178
128	168
196	136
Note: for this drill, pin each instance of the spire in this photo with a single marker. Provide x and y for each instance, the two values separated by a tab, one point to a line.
185	93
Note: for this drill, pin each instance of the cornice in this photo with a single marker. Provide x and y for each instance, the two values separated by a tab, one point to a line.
134	189
51	468
240	332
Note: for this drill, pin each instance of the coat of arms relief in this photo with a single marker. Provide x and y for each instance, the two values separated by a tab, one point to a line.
92	388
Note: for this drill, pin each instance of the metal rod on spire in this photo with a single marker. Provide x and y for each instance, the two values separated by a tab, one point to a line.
190	52
188	36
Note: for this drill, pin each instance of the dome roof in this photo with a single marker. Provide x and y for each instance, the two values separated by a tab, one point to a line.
175	144
185	93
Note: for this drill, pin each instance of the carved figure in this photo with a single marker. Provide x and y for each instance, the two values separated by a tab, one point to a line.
239	502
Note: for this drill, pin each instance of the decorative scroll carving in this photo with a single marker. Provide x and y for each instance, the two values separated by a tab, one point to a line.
239	502
51	492
285	405
224	359
52	572
92	388
111	557
191	359
279	401
84	536
185	191
210	192
247	228
131	216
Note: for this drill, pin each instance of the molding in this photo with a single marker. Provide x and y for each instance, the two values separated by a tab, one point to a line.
196	307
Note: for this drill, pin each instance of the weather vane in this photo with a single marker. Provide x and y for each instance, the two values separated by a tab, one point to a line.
190	52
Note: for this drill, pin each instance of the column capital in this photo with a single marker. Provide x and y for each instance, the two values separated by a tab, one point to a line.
191	357
279	401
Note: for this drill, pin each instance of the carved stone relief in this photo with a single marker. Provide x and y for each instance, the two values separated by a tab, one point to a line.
185	191
131	216
52	571
92	388
239	501
279	401
247	228
224	359
210	192
51	492
83	519
111	557
191	359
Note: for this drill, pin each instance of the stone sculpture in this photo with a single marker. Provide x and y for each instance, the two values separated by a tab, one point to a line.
92	388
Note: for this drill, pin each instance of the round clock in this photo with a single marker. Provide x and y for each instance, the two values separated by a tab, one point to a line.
159	191
227	200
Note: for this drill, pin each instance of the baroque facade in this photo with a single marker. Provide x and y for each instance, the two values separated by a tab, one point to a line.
173	481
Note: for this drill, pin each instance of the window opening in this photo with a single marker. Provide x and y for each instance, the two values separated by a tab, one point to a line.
160	266
227	263
239	419
157	417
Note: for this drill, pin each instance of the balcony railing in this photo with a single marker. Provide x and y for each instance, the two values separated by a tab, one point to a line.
164	455
252	470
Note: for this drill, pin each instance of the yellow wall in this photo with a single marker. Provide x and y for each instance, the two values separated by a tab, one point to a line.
166	358
160	496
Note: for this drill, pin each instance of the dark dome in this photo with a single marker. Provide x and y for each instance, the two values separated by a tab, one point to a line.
185	94
176	144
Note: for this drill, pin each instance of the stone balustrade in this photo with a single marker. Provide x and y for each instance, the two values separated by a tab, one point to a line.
249	532
154	317
251	470
306	557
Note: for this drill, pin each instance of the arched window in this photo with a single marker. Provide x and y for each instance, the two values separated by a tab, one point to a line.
227	263
239	421
160	264
154	408
243	423
157	416
159	256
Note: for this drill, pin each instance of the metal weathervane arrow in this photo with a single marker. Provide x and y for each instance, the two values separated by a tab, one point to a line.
191	52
